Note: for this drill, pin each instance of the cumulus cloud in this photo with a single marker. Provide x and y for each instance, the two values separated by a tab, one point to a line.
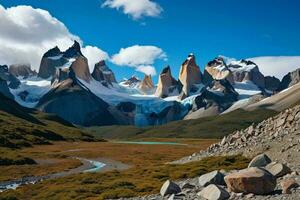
277	66
27	33
135	8
146	69
140	57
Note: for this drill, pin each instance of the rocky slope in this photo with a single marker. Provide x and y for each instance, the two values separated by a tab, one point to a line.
272	174
289	80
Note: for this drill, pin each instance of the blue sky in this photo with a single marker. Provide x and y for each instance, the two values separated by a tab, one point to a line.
234	28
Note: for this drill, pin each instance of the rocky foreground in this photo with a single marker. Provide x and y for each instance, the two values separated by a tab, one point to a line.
273	173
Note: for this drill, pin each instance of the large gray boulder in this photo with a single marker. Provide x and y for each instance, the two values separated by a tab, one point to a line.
261	160
214	192
251	180
169	187
214	177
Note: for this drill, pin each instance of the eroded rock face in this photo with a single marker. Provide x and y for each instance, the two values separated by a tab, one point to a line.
272	83
23	70
218	70
251	180
132	82
103	74
189	76
147	85
166	84
72	57
81	68
289	80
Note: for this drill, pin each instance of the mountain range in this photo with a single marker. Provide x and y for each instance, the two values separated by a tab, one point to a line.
65	86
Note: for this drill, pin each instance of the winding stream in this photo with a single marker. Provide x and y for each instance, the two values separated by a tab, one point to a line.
87	166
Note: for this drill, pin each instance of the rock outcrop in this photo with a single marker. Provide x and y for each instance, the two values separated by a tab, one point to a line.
289	80
190	76
166	84
103	74
147	86
72	57
22	70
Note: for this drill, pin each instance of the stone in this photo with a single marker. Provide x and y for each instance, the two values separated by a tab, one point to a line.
251	180
278	169
260	161
214	192
169	187
166	84
214	177
287	185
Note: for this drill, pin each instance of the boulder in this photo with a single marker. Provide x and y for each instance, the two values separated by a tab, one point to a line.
169	187
214	192
166	84
147	86
251	180
287	185
214	177
189	76
278	169
103	74
261	160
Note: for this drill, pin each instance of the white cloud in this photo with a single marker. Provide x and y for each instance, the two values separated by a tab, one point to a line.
27	33
277	66
94	55
135	8
146	69
140	57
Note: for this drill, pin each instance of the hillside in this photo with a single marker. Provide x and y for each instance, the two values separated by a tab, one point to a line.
21	127
208	127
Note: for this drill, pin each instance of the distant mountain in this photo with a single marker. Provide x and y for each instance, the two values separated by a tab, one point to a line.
65	86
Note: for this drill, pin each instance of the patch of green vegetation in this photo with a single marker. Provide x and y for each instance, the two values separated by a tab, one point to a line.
23	127
207	127
136	181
